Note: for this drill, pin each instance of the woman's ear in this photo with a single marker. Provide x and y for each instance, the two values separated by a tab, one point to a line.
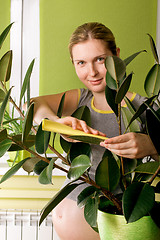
118	52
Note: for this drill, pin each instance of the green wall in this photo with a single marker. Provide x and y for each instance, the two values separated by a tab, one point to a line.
130	21
4	22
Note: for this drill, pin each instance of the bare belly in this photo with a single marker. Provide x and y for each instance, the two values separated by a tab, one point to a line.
70	224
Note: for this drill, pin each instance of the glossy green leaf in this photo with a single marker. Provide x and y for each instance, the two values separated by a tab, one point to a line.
29	165
40	166
28	120
3	134
45	176
79	148
110	97
127	116
155	113
29	142
153	48
148	167
12	170
107	172
130	58
87	139
4	105
60	108
153	129
123	89
2	95
116	67
155	213
26	79
141	109
111	83
42	140
138	200
78	166
85	195
4	34
57	199
131	107
4	146
83	113
152	81
5	66
90	211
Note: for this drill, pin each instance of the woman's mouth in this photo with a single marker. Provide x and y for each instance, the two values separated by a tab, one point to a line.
96	82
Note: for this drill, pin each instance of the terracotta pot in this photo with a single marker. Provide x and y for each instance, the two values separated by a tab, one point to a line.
114	227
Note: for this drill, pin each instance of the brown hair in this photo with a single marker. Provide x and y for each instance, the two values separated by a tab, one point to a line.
93	30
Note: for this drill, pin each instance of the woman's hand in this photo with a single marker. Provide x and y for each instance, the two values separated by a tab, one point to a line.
79	125
131	145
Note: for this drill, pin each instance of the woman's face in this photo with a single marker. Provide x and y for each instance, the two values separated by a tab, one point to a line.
88	59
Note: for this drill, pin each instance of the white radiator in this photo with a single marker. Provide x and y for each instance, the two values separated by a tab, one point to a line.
24	225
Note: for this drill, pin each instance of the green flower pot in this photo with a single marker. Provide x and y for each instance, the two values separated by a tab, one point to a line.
114	227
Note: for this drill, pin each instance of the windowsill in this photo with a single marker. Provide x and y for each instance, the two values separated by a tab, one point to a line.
4	168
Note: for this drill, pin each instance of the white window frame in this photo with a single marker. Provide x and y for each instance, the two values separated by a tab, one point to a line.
25	43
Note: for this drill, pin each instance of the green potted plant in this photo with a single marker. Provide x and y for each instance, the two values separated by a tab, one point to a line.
137	201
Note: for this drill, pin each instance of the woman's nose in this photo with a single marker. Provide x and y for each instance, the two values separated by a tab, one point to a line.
93	70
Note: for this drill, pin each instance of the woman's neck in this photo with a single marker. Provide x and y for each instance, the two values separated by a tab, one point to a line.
100	102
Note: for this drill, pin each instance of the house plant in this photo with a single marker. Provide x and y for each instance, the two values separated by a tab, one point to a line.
99	194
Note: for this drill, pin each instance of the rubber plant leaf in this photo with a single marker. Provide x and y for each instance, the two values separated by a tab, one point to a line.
42	140
45	176
26	80
130	58
155	213
153	129
78	166
28	120
90	211
57	199
111	83
107	173
5	66
4	34
12	170
2	95
131	107
126	116
85	195
123	89
116	67
79	148
28	166
148	167
141	109
155	113
110	97
59	113
29	142
39	166
87	139
3	134
4	146
4	105
152	81
138	200
153	48
83	113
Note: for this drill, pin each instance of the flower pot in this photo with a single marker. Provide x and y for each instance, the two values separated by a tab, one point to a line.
114	227
20	156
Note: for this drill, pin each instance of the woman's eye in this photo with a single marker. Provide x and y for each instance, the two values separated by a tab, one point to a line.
100	59
81	63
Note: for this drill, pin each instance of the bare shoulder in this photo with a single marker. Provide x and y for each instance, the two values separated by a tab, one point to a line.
129	95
